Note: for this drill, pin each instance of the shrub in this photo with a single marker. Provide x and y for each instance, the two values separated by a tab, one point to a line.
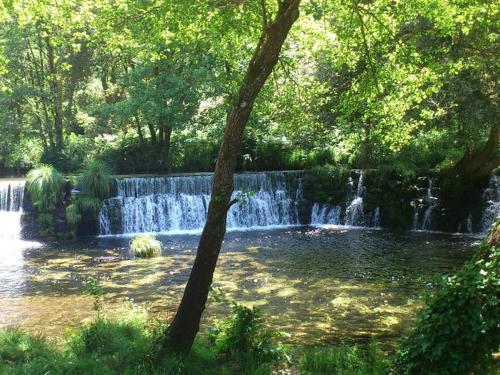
44	186
243	338
94	180
45	223
457	330
88	205
145	246
73	216
345	360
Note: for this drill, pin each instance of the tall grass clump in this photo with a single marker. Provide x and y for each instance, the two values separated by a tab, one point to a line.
44	186
457	330
94	179
345	360
243	339
20	349
145	246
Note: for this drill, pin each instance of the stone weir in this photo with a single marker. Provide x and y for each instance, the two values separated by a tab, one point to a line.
179	203
356	198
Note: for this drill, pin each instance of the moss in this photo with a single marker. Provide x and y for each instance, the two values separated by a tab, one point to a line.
326	184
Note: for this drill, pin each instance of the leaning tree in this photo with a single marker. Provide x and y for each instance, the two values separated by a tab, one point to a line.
185	325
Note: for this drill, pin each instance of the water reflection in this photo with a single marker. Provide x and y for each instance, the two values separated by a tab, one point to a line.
316	283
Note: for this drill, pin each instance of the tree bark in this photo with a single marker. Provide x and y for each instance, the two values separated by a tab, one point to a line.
185	325
56	95
479	163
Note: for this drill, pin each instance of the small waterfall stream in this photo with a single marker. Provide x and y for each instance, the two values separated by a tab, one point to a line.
170	204
11	206
424	203
354	214
491	198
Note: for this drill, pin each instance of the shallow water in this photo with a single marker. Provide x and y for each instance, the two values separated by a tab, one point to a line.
318	284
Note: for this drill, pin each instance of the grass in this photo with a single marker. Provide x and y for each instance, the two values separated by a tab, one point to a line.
129	346
345	360
44	186
107	347
95	179
145	246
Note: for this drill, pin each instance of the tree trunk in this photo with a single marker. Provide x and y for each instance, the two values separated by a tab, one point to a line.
56	95
165	148
185	325
476	164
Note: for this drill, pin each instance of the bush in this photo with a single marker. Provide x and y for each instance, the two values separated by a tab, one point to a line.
94	180
45	223
145	246
457	330
345	360
243	338
44	186
88	205
73	216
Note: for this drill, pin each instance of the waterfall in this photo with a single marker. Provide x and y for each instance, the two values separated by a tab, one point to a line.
11	205
324	213
354	214
172	204
375	221
427	202
491	197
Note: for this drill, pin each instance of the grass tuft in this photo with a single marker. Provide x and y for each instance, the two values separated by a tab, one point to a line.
145	246
44	186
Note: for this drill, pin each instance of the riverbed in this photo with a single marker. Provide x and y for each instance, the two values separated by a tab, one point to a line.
319	284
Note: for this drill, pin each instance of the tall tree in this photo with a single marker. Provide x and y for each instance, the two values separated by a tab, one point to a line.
185	325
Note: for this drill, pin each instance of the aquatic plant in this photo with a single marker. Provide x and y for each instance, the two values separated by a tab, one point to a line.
457	329
95	178
345	360
44	186
145	246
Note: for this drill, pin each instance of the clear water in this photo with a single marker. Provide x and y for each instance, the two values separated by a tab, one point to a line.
318	284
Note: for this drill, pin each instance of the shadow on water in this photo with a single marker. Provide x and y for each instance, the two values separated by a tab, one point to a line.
317	284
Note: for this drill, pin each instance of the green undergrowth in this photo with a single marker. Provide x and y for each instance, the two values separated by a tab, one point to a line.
345	360
129	345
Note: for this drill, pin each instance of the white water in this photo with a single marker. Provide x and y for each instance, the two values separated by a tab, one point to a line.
179	204
428	201
11	206
491	198
354	215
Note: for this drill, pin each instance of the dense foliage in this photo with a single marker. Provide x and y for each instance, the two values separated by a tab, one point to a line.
146	85
44	185
457	331
244	339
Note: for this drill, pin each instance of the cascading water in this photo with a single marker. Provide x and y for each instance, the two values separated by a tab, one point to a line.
11	206
491	198
354	215
170	204
427	202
